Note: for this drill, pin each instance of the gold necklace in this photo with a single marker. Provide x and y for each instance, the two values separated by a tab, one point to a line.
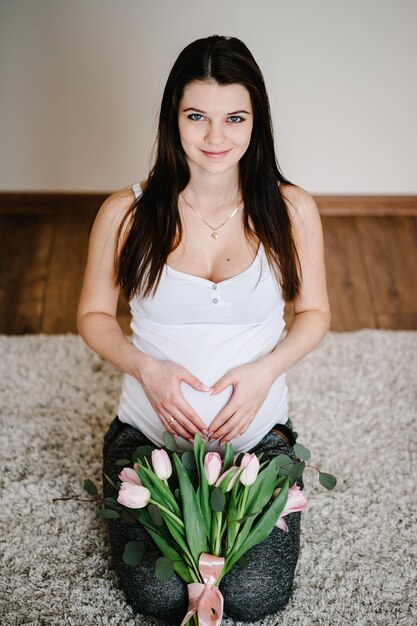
214	234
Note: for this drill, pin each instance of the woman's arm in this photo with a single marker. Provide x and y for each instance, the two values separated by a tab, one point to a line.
96	315
312	314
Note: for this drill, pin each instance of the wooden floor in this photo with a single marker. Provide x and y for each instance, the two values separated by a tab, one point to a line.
371	265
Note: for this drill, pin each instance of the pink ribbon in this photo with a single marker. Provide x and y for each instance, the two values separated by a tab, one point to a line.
205	598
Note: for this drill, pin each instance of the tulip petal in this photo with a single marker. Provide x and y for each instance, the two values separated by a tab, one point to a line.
281	523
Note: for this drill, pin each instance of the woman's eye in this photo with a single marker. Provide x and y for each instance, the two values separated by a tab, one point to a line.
192	116
236	117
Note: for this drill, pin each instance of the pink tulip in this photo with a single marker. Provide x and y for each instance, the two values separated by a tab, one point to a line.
223	476
250	464
133	496
128	475
161	464
212	466
296	501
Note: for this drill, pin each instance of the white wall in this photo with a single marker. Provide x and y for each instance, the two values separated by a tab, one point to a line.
81	82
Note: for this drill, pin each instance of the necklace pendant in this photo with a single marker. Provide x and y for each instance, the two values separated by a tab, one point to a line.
215	234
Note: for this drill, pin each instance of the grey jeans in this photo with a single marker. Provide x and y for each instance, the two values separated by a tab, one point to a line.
262	588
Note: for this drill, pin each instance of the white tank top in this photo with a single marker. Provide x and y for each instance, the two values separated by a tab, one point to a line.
208	328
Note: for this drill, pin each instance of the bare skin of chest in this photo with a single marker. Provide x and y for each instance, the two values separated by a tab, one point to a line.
218	259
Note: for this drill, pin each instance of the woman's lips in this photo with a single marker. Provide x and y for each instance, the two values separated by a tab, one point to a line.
215	155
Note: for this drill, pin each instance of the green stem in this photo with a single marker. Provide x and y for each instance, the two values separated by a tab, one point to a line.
218	533
243	503
168	512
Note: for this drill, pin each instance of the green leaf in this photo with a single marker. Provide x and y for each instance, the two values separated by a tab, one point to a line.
296	470
228	479
282	459
327	480
107	513
217	499
246	517
158	489
127	517
113	504
155	514
169	441
228	457
193	518
122	462
133	552
203	490
260	493
188	460
301	452
141	451
90	487
243	562
261	530
166	548
109	480
164	568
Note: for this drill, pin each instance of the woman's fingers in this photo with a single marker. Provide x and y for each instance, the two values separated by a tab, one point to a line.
193	421
176	428
236	425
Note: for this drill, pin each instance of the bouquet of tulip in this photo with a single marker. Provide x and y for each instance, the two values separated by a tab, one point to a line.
204	511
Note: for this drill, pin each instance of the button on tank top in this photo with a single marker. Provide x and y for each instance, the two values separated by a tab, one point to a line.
208	328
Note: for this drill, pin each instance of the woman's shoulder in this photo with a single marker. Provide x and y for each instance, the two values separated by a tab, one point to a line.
303	210
300	203
296	197
116	205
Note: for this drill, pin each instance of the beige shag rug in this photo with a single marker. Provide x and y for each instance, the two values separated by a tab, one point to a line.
353	403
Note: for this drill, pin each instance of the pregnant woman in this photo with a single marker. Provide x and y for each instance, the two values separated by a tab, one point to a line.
208	249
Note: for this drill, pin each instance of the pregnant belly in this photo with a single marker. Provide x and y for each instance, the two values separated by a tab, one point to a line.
207	406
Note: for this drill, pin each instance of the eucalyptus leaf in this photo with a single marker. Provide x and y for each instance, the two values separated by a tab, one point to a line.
188	460
217	499
155	514
169	441
90	487
282	459
296	470
113	504
127	517
141	451
327	480
301	452
166	548
133	552
107	513
164	568
122	462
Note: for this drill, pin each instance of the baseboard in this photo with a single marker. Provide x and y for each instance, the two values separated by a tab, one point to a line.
366	205
337	205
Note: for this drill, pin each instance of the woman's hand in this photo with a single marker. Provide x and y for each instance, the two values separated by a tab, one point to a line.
161	381
251	384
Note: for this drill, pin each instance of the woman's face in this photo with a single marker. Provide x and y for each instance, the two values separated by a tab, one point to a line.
215	124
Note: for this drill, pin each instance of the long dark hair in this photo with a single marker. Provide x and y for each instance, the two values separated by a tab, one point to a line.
153	222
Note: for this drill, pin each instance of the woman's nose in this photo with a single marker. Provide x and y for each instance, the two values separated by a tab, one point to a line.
214	134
